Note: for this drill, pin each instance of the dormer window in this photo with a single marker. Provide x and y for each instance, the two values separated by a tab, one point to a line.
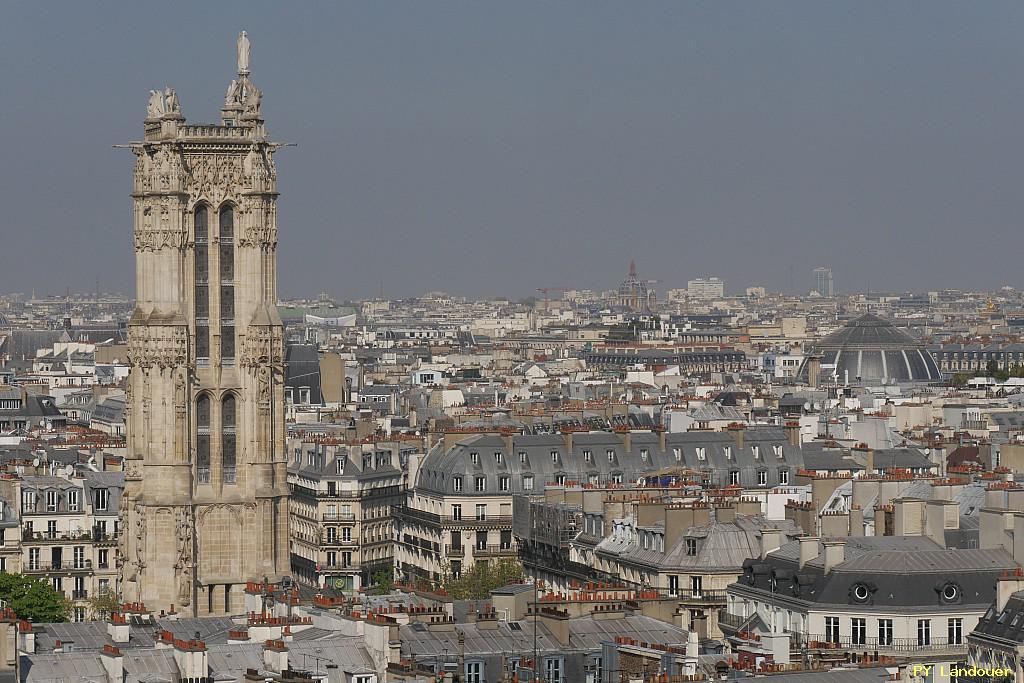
728	453
560	479
691	546
588	456
522	457
777	449
457	484
611	455
643	454
554	456
756	450
678	453
475	457
498	457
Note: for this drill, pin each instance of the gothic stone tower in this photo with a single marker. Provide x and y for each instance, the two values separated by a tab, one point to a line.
205	504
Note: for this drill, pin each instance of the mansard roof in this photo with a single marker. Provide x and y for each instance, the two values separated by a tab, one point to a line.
714	454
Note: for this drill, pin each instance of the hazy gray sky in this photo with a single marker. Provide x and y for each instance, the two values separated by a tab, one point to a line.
492	148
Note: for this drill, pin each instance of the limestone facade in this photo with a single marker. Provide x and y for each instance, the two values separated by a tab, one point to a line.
205	506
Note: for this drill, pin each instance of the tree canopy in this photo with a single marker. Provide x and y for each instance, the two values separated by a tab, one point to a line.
33	599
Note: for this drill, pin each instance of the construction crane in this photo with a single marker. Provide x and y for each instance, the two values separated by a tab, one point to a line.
547	300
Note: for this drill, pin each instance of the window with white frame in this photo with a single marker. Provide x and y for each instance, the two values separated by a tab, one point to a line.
924	632
885	631
527	482
457	484
474	672
859	631
955	630
480	484
832	629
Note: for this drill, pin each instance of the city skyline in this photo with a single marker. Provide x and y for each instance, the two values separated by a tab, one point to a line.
753	144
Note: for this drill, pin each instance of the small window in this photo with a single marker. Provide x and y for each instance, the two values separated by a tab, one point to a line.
691	546
527	482
522	457
498	457
456	484
762	478
480	484
644	454
611	455
588	456
503	483
678	453
734	477
784	477
554	456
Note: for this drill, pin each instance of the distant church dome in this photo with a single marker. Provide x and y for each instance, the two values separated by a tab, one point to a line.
872	349
633	293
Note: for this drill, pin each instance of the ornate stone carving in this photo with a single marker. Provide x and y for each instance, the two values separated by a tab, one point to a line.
183	565
161	346
214	177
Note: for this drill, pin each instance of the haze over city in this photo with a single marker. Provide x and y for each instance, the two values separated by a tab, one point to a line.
493	148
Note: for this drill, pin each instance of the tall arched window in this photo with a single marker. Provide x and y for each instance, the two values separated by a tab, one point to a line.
227	283
203	438
202	280
227	438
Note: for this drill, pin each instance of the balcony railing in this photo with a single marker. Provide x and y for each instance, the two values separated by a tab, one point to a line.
339	517
699	595
79	595
477	520
84	565
494	549
814	641
325	540
455	550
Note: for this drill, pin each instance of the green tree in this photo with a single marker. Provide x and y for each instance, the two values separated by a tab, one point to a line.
384	580
992	367
960	379
103	604
477	582
33	599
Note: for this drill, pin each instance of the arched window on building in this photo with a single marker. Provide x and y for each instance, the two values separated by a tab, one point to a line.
228	420
203	438
227	284
202	282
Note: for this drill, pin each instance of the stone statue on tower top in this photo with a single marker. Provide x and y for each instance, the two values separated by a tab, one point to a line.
243	53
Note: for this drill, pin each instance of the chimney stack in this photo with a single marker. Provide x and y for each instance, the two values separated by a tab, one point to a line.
771	540
808	549
835	554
